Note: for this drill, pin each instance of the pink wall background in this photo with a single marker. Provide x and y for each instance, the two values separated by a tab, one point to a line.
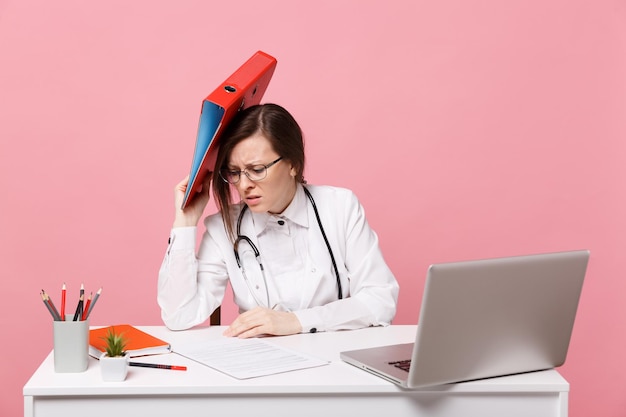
469	129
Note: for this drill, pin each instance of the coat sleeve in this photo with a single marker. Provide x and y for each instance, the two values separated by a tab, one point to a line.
189	289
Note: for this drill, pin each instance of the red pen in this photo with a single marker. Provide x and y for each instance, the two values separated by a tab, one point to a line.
156	365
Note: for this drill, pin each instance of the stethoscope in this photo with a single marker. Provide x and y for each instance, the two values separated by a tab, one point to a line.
257	254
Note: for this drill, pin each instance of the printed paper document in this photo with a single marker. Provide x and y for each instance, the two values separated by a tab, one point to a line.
247	358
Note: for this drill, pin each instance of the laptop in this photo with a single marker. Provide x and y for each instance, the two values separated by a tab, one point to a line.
486	318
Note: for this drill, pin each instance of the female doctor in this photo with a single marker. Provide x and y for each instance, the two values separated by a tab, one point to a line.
299	258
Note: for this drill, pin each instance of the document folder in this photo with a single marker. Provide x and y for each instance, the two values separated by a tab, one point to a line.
244	88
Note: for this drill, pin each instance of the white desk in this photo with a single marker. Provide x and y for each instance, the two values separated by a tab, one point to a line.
333	390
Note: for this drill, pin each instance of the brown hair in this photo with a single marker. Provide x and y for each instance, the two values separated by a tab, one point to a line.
281	130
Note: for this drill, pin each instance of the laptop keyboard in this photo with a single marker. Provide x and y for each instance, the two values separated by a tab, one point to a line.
404	365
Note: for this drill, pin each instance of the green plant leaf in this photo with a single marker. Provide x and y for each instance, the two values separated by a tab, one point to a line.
115	344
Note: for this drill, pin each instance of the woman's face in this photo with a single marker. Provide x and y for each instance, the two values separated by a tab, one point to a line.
271	194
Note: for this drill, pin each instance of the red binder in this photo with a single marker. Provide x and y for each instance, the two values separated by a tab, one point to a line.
244	88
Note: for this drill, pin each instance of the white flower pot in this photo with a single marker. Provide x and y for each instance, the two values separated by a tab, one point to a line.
114	369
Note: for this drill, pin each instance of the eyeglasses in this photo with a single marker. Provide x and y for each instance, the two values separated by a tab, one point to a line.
254	173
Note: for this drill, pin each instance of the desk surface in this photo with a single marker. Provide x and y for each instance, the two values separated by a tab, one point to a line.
330	389
335	377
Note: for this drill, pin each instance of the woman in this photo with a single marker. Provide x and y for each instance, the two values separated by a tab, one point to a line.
318	267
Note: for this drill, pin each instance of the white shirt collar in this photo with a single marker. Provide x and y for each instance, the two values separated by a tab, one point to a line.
296	212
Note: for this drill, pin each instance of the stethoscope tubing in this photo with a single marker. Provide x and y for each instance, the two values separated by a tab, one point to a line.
243	238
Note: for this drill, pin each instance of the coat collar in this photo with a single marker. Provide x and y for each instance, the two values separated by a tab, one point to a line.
296	212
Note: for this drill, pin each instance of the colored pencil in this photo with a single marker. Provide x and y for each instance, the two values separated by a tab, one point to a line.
93	303
86	309
79	308
82	297
55	312
63	291
48	306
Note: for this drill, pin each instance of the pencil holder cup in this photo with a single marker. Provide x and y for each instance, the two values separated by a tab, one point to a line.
71	345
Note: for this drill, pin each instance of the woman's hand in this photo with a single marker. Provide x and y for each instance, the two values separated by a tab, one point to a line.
192	213
261	320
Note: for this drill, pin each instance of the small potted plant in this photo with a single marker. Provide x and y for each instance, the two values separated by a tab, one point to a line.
114	362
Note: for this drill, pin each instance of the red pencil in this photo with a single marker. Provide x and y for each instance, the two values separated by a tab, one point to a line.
63	291
86	309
